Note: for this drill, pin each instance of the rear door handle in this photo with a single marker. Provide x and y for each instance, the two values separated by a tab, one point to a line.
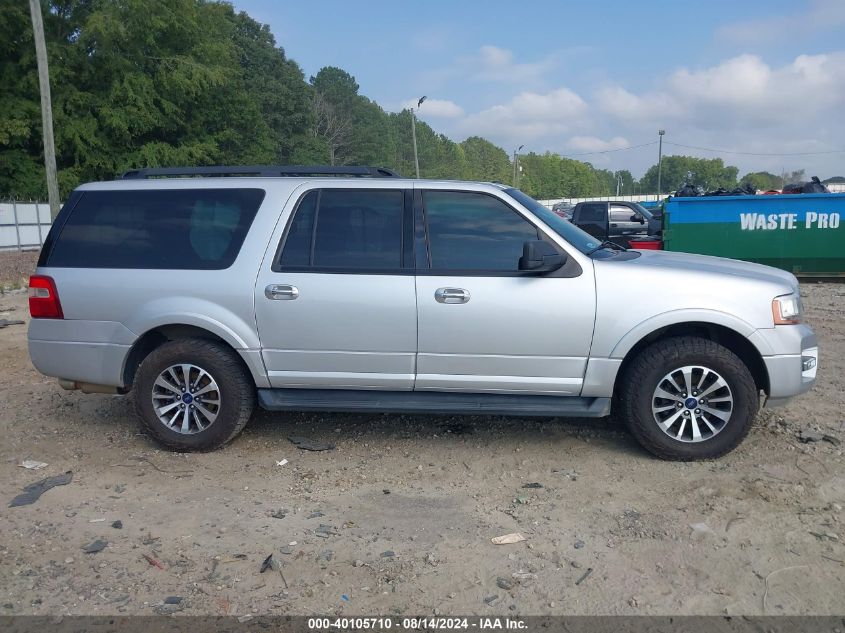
451	295
281	292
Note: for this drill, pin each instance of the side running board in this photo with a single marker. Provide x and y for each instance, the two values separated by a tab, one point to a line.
348	400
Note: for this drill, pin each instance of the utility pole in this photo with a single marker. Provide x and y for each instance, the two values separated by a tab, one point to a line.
660	134
618	183
414	135
516	166
46	107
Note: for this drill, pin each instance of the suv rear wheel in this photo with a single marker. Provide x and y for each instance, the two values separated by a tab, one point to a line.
688	398
193	395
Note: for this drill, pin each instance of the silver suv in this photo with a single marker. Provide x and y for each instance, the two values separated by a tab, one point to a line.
352	289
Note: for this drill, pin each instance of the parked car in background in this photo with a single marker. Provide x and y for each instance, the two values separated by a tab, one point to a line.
616	221
353	289
564	209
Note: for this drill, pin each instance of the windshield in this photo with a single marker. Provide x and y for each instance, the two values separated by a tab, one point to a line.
584	242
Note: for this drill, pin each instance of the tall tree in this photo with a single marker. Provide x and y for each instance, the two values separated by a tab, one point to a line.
333	126
708	173
485	161
761	180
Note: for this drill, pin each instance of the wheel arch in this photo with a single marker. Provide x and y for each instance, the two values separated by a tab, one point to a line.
734	340
157	336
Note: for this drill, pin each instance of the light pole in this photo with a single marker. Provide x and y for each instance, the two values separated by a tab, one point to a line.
618	183
515	165
414	134
660	134
46	107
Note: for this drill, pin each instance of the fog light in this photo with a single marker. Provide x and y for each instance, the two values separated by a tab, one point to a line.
807	363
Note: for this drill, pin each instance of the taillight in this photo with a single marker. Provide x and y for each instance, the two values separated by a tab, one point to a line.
44	298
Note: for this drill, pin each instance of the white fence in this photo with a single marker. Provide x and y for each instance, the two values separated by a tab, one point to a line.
651	197
23	225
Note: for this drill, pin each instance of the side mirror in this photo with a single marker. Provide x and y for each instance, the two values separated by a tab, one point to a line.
638	218
539	256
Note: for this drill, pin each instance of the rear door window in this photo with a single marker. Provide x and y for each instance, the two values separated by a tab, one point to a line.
593	213
346	230
178	229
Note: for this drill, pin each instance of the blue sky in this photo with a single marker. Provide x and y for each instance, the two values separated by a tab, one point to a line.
577	77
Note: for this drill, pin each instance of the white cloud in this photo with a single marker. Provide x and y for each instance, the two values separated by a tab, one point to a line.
529	116
436	108
495	64
740	104
739	92
622	104
821	15
595	144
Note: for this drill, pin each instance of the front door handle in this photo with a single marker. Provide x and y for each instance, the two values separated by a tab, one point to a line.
281	292
451	295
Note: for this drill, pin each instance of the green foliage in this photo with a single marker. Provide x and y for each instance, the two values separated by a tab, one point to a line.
21	161
144	83
709	173
548	175
485	161
761	180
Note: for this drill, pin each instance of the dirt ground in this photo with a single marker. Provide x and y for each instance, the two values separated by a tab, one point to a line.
398	518
16	267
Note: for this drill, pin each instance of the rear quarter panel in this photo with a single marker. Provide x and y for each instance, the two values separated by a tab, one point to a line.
123	304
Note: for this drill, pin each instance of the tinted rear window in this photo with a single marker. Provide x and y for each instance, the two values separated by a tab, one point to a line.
187	229
348	229
593	213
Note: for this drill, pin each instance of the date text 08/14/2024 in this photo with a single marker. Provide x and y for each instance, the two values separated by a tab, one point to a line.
417	623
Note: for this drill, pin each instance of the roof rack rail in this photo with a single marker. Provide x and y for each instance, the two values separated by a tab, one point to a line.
260	170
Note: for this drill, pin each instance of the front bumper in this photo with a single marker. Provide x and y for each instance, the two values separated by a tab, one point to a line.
792	368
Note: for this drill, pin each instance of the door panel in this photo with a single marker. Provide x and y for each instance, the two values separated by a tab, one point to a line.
342	331
514	334
488	327
336	308
621	223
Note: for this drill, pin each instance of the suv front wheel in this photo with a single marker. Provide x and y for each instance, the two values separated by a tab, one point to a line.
688	398
193	394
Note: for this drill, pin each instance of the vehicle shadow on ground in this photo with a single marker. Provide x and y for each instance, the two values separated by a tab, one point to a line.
115	416
435	430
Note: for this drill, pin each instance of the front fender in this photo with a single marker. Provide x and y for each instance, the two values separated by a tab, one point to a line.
690	315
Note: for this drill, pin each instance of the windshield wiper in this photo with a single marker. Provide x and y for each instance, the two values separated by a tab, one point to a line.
607	244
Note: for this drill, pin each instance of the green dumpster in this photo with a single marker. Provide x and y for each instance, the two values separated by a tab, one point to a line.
801	233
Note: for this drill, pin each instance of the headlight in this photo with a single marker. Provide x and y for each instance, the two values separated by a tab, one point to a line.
787	310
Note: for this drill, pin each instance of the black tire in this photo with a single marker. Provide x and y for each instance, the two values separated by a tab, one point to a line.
637	386
236	393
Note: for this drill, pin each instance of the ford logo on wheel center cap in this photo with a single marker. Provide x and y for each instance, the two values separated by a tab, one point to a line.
689	403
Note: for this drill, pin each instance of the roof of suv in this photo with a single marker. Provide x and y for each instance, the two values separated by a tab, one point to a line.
277	171
151	177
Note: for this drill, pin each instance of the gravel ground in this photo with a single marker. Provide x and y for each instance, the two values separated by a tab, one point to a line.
398	518
15	268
